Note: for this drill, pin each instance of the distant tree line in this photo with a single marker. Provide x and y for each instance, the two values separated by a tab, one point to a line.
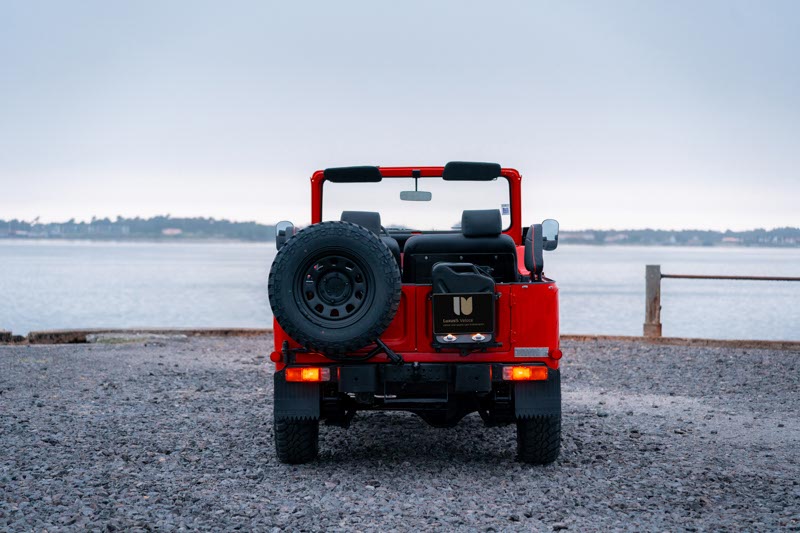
168	228
757	237
160	227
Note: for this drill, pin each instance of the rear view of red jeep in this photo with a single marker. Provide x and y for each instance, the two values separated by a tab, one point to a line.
416	289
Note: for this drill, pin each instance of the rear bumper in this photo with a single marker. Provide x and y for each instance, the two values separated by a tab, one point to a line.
418	387
385	379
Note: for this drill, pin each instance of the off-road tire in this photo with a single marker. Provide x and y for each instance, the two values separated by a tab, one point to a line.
539	439
304	306
296	441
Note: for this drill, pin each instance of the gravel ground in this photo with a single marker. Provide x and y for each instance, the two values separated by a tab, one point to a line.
170	434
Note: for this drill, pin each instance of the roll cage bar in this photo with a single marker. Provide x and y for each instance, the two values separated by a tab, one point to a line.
511	175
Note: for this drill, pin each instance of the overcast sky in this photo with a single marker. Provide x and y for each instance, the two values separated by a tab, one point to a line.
618	114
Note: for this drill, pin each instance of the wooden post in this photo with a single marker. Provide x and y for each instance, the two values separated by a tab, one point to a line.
652	304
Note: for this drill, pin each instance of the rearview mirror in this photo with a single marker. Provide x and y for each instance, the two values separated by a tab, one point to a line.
416	196
550	234
283	231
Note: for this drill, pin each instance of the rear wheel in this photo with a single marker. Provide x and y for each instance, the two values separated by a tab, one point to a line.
296	441
539	439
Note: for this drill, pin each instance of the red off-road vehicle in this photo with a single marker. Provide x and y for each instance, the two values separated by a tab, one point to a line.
444	311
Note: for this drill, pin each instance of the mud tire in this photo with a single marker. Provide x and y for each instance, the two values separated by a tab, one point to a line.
296	441
539	439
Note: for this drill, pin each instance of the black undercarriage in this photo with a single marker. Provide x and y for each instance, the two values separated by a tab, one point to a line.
440	393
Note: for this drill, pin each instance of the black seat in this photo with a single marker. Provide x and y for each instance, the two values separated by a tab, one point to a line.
372	221
480	242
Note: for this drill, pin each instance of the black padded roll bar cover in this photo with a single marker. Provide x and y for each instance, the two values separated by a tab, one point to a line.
364	174
369	219
468	171
481	223
534	251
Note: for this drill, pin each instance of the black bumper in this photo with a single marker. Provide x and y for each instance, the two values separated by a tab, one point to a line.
417	386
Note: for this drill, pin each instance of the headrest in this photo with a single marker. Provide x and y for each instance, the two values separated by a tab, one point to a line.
481	223
368	219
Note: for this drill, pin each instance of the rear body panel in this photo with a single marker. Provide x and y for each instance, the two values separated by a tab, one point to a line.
526	317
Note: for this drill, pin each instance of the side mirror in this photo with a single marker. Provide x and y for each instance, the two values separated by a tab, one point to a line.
550	234
283	231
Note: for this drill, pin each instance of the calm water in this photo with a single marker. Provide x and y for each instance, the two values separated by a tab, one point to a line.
47	285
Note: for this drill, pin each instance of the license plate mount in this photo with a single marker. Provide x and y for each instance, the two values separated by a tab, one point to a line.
463	313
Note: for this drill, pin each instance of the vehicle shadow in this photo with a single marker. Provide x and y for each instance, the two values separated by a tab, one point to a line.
400	437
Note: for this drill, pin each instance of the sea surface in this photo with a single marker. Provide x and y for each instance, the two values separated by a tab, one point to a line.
82	284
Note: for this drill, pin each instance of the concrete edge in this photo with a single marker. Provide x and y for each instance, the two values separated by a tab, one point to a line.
682	341
73	336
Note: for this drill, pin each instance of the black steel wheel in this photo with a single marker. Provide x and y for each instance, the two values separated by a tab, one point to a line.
334	287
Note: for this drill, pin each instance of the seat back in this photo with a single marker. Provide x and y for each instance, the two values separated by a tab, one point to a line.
480	242
372	221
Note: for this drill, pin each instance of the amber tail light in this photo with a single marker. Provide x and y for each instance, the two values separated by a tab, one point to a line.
525	373
308	374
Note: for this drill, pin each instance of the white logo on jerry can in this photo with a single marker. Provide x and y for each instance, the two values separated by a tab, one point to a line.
462	306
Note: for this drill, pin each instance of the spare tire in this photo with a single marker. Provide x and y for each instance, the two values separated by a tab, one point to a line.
334	287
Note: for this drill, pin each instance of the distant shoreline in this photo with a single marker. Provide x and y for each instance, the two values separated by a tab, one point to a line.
210	240
152	240
198	229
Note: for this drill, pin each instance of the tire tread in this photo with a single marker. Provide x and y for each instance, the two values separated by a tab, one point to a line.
539	439
296	441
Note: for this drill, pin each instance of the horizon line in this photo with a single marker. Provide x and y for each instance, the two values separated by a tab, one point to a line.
35	221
